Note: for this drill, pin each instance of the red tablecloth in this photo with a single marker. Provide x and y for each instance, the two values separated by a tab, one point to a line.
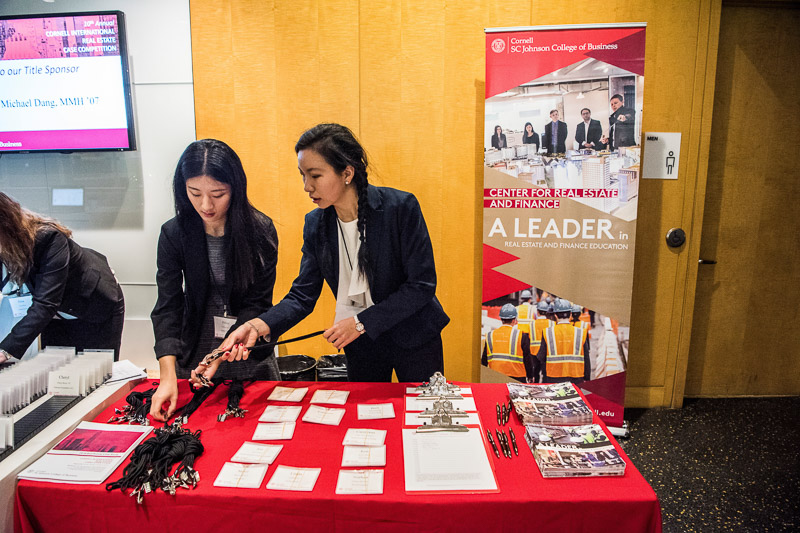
525	502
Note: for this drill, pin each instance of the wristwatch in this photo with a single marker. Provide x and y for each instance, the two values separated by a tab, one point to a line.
359	326
5	356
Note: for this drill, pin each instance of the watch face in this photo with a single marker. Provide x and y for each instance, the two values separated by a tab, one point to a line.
359	326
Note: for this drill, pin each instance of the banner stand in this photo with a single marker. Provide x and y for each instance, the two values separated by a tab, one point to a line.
562	132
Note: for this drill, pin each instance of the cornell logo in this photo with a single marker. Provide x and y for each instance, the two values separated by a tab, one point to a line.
498	45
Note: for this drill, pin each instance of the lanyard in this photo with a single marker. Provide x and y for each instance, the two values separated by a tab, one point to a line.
344	241
217	290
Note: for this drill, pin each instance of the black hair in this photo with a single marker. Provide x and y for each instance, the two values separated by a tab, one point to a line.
525	130
586	109
249	238
340	149
618	97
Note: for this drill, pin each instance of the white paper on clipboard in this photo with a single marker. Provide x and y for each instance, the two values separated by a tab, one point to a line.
447	461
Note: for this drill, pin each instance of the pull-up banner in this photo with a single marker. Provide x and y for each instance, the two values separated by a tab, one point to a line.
562	134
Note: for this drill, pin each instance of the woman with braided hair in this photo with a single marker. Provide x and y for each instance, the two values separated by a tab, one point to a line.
371	245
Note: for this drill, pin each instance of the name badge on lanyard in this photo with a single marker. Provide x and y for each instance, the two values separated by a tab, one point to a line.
222	324
20	304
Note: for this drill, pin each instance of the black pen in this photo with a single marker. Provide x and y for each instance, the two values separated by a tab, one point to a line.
513	440
505	439
499	417
491	441
502	414
508	415
500	442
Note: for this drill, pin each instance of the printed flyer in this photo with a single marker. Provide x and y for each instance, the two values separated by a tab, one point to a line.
562	136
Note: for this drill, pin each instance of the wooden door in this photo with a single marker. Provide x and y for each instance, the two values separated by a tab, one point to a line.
745	330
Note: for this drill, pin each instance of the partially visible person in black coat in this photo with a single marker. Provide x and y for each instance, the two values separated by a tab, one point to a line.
529	136
555	135
371	245
76	301
622	122
589	132
216	269
499	138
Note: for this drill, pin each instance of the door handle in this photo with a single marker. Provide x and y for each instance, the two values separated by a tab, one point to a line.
706	262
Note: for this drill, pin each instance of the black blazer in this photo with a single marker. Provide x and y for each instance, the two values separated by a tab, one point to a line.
64	277
496	141
533	139
622	133
183	284
595	132
402	275
561	140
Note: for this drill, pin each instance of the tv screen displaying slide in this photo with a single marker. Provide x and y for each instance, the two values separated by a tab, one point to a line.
64	84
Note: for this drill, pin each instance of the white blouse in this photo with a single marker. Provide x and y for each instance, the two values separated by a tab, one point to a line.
353	295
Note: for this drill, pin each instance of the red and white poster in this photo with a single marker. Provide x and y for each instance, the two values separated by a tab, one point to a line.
562	136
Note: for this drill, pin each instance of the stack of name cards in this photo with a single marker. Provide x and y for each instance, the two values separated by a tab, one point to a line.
287	394
248	466
330	416
27	380
375	411
277	422
362	448
82	374
294	478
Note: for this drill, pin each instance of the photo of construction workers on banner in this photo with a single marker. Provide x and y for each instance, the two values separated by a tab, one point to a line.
536	337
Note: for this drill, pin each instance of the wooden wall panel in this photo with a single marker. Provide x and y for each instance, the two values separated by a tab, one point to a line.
408	77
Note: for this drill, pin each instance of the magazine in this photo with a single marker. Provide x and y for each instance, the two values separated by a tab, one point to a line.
89	454
553	404
568	451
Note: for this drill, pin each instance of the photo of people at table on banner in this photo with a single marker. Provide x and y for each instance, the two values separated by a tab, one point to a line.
577	127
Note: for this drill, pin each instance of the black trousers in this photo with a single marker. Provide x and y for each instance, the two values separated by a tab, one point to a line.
84	335
373	361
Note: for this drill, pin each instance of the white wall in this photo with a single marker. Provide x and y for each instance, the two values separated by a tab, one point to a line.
159	46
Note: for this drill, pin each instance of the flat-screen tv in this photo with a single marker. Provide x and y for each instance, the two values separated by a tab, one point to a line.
64	83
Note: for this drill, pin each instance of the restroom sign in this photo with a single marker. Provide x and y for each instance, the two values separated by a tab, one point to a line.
662	154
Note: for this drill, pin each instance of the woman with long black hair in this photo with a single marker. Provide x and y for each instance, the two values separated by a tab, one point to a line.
75	299
216	269
529	135
371	245
499	138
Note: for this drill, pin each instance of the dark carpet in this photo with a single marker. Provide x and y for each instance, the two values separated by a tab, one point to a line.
721	464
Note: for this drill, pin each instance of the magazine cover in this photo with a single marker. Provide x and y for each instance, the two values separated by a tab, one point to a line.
563	451
557	404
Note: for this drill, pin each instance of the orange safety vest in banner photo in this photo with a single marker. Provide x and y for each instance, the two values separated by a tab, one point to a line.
539	325
565	357
526	313
504	351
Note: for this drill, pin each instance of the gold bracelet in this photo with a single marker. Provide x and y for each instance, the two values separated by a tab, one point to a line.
254	327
